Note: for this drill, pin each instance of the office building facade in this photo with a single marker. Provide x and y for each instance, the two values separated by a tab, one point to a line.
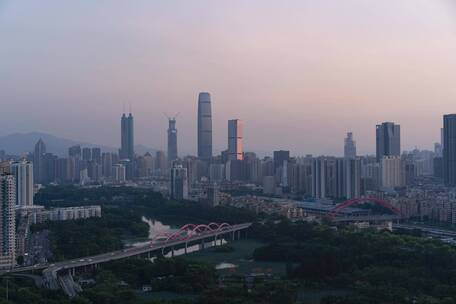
172	140
388	140
23	174
349	146
127	137
280	157
38	161
119	174
7	221
391	172
449	150
178	188
204	126
235	145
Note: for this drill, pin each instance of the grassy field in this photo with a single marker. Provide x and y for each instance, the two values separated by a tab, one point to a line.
165	296
312	296
241	257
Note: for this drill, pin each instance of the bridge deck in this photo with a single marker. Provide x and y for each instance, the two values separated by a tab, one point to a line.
369	218
125	253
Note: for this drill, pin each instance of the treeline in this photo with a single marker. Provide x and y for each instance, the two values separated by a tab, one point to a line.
70	195
379	267
141	202
21	290
165	274
122	209
198	281
84	237
194	212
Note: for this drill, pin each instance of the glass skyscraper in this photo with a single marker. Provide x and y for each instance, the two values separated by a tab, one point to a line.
127	137
388	140
204	126
172	139
449	150
235	149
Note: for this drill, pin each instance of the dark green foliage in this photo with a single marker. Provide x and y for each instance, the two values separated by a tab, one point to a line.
24	291
380	267
177	275
194	212
78	238
223	249
268	293
141	202
373	267
122	209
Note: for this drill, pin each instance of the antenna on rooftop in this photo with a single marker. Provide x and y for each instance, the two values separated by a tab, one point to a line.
171	117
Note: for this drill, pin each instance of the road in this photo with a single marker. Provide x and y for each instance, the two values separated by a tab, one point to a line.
59	274
120	254
368	218
133	251
426	229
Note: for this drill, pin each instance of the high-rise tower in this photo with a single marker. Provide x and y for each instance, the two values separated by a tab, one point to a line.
127	137
38	161
388	140
7	221
280	157
235	147
449	150
349	146
172	139
204	126
23	172
178	188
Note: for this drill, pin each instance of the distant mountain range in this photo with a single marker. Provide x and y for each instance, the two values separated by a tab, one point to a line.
23	143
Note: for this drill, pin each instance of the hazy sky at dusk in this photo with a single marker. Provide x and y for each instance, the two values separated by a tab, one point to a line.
299	73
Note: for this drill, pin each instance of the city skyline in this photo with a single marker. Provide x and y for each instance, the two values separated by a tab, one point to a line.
173	120
234	151
354	65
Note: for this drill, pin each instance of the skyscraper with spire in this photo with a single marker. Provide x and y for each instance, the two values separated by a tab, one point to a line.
127	137
204	126
172	139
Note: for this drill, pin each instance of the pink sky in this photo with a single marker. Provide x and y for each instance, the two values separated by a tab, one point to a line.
300	74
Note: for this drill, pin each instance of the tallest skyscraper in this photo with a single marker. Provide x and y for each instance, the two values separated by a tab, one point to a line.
204	126
126	137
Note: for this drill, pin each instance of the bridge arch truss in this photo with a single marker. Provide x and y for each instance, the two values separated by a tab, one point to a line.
356	201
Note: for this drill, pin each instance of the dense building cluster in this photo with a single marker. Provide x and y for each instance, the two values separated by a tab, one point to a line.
399	176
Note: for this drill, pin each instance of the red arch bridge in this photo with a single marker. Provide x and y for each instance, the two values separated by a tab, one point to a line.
337	215
188	232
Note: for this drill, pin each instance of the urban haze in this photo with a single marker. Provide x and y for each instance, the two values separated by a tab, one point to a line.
206	152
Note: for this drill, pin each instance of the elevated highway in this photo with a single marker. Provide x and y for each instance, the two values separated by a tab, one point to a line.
368	218
59	275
